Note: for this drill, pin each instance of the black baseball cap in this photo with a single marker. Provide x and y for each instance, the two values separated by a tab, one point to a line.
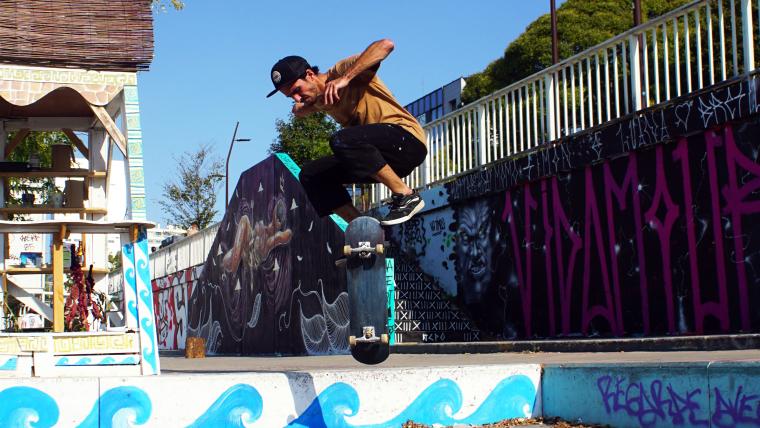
287	71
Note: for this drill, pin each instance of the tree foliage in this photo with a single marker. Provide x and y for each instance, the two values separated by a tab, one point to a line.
581	24
304	138
161	4
191	198
38	143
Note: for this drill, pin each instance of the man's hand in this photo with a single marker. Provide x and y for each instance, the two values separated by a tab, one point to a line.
332	87
302	109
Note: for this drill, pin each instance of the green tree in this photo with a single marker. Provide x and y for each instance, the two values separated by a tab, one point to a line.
114	262
161	4
304	138
38	143
581	24
191	198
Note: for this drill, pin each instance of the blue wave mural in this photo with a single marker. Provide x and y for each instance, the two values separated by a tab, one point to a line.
511	398
239	406
22	406
107	411
10	364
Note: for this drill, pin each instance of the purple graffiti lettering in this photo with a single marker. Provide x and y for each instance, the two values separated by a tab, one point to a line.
548	250
650	403
737	206
664	231
592	220
524	273
730	413
631	182
561	223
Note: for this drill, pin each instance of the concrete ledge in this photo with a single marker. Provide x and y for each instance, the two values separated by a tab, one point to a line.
664	394
658	344
446	396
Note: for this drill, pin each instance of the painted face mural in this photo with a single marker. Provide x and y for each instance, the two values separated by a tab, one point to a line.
477	238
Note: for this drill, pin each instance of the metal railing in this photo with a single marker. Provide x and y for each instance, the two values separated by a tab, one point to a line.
684	50
187	252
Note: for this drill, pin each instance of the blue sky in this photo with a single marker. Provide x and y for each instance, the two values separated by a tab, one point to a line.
212	62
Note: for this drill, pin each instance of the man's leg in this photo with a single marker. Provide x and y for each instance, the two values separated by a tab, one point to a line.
383	153
347	212
391	180
324	182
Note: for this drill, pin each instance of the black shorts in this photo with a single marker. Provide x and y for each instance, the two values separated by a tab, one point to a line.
359	152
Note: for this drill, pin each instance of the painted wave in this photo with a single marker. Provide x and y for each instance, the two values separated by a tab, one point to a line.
122	406
239	406
22	406
513	397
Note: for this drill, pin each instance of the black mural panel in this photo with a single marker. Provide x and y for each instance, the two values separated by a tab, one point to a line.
663	241
269	284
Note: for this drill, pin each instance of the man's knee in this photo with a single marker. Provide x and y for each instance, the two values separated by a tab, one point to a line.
339	142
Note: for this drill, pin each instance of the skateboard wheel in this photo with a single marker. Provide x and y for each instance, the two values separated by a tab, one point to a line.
352	341
384	339
379	249
346	250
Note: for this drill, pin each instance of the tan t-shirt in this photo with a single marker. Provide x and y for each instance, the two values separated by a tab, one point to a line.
365	102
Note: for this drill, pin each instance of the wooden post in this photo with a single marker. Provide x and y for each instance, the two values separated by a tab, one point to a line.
58	280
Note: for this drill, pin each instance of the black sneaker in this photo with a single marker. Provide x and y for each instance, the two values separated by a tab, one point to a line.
403	207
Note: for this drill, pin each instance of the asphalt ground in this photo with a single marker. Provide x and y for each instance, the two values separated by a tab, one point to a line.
175	363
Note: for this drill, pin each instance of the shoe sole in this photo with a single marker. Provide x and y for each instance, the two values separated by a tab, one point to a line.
400	220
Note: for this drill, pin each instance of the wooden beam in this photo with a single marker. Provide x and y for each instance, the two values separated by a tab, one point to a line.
76	123
58	324
111	128
77	142
29	300
17	139
134	233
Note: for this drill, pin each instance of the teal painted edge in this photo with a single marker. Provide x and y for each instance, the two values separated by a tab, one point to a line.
10	364
296	171
390	283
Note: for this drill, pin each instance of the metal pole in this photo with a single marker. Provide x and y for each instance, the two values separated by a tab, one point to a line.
636	13
555	39
227	169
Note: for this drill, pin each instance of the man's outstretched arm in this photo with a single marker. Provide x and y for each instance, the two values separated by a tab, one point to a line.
370	58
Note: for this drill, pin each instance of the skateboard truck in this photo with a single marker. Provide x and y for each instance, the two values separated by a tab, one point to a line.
368	337
365	250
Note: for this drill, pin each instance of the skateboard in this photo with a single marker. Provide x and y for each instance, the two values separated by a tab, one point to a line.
367	295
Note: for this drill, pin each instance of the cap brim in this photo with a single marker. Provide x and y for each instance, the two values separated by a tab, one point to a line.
273	92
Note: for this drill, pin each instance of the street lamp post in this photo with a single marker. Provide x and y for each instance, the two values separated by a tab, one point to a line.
227	166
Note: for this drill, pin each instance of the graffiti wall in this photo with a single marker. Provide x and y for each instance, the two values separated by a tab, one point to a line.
269	284
643	227
640	395
170	301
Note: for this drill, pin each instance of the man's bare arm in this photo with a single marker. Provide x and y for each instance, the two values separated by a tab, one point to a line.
370	58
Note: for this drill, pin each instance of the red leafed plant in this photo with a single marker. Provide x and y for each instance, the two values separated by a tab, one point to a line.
80	303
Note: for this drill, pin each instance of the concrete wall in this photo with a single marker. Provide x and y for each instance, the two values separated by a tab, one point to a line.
446	396
642	227
646	395
621	395
269	284
170	300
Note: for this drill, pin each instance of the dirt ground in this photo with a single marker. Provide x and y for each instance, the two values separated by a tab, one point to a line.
551	422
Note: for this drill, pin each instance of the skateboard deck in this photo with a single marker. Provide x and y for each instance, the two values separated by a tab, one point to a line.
367	295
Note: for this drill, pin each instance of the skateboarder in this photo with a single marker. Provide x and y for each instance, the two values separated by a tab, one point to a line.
380	142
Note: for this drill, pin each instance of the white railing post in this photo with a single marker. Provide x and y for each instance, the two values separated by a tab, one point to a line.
426	168
633	44
482	135
747	38
550	107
